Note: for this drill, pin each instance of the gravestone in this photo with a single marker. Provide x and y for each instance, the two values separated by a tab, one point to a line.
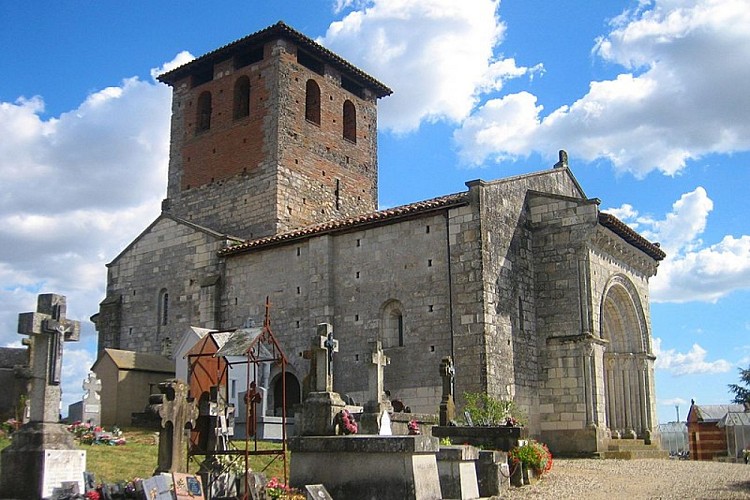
378	402
321	404
92	406
447	403
28	465
176	414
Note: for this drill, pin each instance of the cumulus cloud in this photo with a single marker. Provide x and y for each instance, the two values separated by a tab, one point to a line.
437	55
76	189
692	270
690	363
676	100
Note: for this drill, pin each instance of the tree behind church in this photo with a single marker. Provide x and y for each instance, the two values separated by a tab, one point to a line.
741	391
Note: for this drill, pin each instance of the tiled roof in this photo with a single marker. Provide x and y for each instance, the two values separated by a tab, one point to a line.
278	30
714	413
130	360
356	222
625	232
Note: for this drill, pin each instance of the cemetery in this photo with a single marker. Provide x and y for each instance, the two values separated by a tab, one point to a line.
338	450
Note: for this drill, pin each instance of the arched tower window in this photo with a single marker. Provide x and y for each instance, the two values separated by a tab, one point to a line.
163	308
392	324
350	121
312	102
203	116
242	97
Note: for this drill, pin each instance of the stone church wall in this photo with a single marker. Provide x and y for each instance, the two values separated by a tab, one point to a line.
349	280
171	258
512	341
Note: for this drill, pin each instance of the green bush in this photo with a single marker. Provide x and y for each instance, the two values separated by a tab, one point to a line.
485	410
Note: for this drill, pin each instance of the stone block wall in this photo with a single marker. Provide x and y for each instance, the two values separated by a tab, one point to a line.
348	280
170	257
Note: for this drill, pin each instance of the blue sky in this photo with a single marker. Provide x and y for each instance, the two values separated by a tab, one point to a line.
647	98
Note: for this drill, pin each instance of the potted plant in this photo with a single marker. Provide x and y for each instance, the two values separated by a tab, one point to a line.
534	458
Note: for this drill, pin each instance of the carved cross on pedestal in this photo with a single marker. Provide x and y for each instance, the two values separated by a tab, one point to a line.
177	414
447	405
47	328
375	372
327	345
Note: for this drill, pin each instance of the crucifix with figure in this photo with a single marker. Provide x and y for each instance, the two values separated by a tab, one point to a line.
47	329
326	347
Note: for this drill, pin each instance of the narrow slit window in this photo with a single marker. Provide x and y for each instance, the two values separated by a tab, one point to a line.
312	102
203	118
241	97
350	121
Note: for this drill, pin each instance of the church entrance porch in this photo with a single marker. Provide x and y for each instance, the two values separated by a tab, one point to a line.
628	366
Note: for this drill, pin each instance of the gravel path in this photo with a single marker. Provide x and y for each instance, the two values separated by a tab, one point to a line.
635	479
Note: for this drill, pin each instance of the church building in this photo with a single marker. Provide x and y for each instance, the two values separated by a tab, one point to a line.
272	192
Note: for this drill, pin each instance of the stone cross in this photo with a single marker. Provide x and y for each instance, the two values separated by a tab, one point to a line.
47	329
176	414
325	348
91	401
375	372
447	404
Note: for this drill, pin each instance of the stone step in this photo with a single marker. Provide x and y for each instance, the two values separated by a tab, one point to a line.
633	454
620	445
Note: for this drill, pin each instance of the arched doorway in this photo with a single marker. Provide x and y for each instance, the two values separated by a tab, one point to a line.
293	393
626	360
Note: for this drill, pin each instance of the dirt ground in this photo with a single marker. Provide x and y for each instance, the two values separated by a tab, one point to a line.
635	479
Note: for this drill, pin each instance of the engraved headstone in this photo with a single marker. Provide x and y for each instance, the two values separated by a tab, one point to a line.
92	407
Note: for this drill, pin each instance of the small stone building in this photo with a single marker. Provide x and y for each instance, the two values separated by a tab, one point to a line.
706	437
128	379
272	192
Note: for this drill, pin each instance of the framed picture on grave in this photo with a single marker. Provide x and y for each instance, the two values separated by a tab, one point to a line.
187	486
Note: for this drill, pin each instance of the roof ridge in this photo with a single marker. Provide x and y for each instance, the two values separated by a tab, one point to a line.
350	222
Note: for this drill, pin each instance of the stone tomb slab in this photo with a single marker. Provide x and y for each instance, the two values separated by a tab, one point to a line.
382	467
457	470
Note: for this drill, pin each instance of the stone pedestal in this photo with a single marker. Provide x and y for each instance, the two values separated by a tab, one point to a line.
489	438
318	413
369	422
457	470
493	473
23	462
382	467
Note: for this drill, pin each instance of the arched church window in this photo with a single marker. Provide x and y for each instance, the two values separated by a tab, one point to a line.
312	102
350	121
392	325
242	97
203	116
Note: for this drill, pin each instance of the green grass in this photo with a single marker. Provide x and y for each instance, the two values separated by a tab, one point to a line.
138	458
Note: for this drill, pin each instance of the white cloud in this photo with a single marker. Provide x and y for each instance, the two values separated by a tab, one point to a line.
692	270
437	55
76	189
672	402
677	100
690	363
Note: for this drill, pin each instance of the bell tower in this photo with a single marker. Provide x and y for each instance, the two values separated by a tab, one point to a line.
271	133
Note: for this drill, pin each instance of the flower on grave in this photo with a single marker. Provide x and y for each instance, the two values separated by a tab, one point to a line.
346	423
532	454
277	489
92	495
413	427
